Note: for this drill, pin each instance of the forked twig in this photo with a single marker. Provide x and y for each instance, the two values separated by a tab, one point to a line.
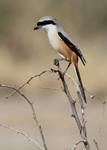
33	112
81	127
28	81
81	104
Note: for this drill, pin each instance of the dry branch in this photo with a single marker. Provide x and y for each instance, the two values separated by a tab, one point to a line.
19	132
33	112
77	144
81	126
28	81
96	144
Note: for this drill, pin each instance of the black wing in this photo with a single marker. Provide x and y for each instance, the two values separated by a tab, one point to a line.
72	47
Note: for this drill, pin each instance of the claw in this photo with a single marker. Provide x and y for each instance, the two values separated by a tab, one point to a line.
56	62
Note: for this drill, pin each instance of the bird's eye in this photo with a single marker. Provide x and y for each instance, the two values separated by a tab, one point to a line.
39	23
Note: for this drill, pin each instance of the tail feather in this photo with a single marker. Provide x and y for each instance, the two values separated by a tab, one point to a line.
80	84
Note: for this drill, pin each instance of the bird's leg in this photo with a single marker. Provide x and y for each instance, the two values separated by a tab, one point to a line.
56	61
67	68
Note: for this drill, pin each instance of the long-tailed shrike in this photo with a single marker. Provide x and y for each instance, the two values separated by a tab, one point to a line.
62	44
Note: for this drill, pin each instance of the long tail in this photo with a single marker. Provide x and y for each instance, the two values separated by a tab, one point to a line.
80	84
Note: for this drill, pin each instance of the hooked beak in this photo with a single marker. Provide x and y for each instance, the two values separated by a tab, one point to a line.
37	27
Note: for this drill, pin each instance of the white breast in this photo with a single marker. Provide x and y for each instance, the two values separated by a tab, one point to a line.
53	39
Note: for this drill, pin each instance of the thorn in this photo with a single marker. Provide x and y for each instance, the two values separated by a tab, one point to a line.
84	108
74	101
51	69
73	115
104	102
62	89
28	83
32	102
6	97
33	117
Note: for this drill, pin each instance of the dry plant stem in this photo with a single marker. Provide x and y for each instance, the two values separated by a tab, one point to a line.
77	144
96	144
19	132
50	88
83	120
72	103
93	96
81	104
28	81
75	115
33	112
81	127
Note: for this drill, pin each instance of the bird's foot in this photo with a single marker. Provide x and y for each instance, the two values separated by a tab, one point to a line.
56	62
61	73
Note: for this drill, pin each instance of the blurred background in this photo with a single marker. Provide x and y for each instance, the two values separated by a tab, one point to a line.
25	52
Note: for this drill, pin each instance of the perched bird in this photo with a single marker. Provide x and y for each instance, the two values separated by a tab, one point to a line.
62	44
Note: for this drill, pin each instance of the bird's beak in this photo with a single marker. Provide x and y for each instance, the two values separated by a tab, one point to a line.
36	27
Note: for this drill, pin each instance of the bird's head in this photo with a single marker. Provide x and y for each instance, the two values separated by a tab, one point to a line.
47	23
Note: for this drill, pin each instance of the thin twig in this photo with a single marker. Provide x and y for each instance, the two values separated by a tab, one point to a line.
81	129
50	88
77	144
33	112
81	104
28	81
19	132
12	87
73	81
93	96
96	144
83	116
51	70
